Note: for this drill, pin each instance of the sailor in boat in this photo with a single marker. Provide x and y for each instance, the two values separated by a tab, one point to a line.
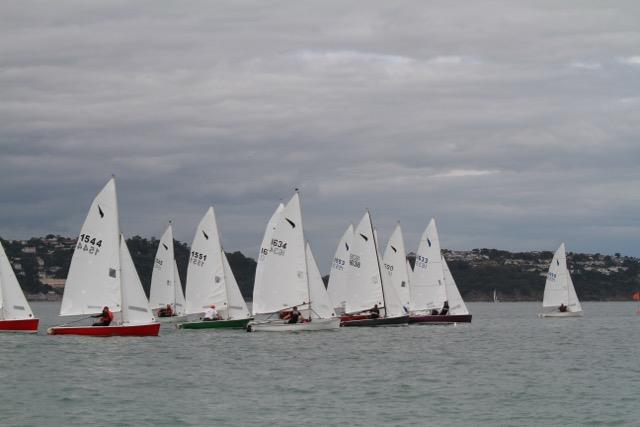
375	312
562	308
106	317
294	316
166	312
445	309
211	313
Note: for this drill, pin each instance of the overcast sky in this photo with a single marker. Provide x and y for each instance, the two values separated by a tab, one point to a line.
514	124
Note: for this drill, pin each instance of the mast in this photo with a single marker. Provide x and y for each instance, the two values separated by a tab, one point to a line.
119	240
173	271
375	245
306	262
226	286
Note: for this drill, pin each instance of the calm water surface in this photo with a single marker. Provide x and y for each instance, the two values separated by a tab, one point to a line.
508	368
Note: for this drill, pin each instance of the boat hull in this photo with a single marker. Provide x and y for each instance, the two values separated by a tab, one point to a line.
144	330
560	314
349	321
25	326
283	326
216	324
172	319
440	320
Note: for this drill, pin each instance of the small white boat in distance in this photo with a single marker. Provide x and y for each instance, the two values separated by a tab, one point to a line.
495	296
560	298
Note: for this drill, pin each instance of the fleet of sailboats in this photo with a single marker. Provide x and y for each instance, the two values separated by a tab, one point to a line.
289	294
560	298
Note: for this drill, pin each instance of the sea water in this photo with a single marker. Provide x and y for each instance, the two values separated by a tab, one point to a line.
507	368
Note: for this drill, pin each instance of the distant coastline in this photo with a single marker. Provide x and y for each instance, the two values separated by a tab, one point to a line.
42	263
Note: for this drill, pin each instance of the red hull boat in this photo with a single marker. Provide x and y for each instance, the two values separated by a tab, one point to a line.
29	326
145	330
442	320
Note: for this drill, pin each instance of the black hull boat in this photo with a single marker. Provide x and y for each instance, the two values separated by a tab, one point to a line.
437	319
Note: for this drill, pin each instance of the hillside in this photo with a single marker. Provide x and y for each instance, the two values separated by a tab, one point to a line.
41	265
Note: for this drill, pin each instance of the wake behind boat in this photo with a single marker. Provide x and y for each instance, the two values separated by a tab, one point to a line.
560	298
102	274
288	293
15	312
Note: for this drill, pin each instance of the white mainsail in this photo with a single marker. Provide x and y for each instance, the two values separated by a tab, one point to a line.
321	304
135	307
428	285
209	281
94	275
165	289
13	304
283	280
395	266
559	287
364	280
338	277
456	303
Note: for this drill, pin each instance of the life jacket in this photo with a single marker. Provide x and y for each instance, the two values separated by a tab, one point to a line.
107	317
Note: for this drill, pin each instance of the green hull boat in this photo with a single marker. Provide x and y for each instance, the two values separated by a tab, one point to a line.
216	324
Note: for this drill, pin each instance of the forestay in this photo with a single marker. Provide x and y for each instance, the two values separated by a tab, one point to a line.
13	304
205	274
427	285
395	266
94	275
338	278
364	282
321	304
283	269
136	308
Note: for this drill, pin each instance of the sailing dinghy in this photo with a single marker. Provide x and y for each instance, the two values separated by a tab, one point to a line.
337	287
210	281
102	274
166	288
366	284
432	285
559	293
287	276
15	313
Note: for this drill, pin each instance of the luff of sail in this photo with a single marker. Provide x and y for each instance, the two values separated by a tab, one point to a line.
94	275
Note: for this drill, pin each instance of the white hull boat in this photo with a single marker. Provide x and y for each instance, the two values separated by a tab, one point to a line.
284	326
560	298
